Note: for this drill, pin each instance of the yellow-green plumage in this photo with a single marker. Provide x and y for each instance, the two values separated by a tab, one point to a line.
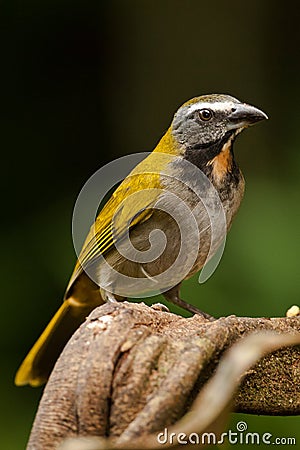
100	238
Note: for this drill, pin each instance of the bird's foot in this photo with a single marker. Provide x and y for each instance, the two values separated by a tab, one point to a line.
160	307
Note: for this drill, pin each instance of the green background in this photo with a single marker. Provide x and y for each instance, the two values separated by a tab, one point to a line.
86	82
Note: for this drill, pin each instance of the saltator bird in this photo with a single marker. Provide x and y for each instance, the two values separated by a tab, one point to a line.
192	169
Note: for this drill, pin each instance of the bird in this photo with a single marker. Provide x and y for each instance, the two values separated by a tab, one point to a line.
191	173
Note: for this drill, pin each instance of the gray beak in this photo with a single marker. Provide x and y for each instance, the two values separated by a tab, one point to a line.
243	115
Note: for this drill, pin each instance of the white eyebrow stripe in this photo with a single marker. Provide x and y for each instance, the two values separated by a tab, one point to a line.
213	106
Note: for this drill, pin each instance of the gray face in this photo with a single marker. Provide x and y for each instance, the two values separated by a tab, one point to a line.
207	119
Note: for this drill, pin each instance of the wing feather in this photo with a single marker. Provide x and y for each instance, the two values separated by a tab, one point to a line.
129	205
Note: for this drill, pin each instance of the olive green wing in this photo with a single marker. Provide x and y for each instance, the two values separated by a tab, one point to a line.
132	203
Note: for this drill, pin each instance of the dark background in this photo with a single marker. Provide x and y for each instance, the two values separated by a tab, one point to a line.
85	82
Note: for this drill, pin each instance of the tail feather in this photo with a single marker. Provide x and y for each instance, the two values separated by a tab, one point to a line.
38	364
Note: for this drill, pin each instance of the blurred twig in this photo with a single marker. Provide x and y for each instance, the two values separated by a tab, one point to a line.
131	371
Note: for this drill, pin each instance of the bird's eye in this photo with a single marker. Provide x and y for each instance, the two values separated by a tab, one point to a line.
205	114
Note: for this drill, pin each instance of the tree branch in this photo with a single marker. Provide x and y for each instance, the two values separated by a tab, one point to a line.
133	370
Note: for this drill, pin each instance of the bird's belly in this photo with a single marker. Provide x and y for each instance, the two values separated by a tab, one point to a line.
168	247
160	263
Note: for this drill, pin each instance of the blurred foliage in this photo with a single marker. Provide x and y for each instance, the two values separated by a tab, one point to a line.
85	82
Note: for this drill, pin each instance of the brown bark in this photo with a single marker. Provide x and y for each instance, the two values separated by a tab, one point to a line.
131	370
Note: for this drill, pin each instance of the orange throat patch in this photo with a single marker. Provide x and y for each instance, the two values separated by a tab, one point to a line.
222	163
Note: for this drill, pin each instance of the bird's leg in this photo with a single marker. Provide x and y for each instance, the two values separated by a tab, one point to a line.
172	295
109	297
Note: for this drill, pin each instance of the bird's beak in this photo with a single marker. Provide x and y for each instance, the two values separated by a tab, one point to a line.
243	115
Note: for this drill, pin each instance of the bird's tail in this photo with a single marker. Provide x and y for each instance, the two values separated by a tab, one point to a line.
38	364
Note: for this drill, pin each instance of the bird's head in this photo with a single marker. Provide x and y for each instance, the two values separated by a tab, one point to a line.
204	125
